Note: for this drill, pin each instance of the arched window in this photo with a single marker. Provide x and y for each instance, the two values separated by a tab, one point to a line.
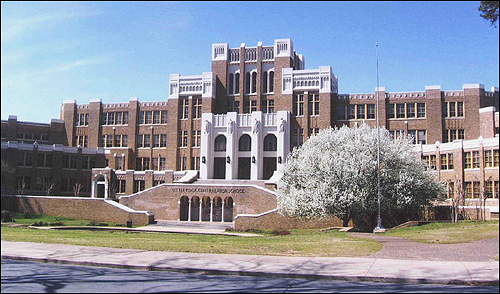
245	143
237	83
220	143
230	84
247	83
264	82
254	82
270	143
271	81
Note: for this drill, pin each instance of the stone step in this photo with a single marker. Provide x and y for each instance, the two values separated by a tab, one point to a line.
194	224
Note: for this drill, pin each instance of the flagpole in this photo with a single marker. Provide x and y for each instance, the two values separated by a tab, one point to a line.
379	219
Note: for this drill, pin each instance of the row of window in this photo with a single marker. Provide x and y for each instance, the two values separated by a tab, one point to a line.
473	189
114	141
33	136
114	118
143	163
472	160
245	143
144	141
452	135
184	108
453	109
24	183
82	140
356	111
313	103
82	119
182	163
233	86
45	160
406	110
152	117
418	136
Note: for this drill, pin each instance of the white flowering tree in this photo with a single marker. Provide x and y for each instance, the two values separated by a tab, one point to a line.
335	173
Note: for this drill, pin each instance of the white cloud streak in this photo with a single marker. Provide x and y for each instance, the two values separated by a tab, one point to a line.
76	64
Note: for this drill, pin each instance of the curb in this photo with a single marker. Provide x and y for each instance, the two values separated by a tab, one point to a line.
262	274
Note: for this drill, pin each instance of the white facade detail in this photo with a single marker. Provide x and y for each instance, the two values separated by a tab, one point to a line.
220	51
233	126
321	79
203	85
283	48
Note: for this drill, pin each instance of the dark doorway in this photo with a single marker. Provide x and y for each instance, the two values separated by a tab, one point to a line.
184	208
269	167
219	168
244	168
228	209
195	208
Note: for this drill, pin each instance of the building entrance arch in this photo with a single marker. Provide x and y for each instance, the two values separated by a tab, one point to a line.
206	207
184	208
195	208
217	209
228	209
100	187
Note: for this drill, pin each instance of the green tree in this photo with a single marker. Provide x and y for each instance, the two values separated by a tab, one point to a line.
335	173
489	11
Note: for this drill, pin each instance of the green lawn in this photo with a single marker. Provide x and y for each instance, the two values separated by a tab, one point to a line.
298	243
48	220
449	233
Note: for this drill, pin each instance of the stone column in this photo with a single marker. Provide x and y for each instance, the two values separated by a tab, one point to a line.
211	210
222	216
189	210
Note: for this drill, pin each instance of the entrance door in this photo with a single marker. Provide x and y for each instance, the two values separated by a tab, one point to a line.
219	168
269	167
244	168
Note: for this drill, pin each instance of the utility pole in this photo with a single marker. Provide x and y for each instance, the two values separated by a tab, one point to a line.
379	219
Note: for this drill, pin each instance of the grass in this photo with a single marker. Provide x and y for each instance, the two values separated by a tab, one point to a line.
298	243
48	220
449	233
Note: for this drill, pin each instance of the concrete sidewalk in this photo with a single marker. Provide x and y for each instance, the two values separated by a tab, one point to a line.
340	268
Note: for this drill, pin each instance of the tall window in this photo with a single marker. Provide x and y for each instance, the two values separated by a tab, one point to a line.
245	143
220	143
270	143
420	109
370	111
247	83
298	105
196	139
271	81
268	106
184	111
230	84
264	82
254	82
313	104
341	112
237	83
197	107
182	138
453	109
298	137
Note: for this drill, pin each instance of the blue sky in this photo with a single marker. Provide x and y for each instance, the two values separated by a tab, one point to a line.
55	51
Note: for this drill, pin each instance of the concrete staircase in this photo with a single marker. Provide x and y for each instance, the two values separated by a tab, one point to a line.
260	183
194	225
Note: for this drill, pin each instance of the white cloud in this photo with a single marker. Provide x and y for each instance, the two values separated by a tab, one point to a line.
76	64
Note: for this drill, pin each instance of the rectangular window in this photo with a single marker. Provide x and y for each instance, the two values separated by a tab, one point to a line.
138	185
460	109
370	111
121	186
420	109
488	158
468	159
162	163
313	100
196	139
400	111
413	135
360	112
125	117
119	163
268	106
253	105
390	111
118	140
141	117
104	118
163	117
85	162
298	105
148	117
246	106
475	159
468	189
422	138
489	189
341	112
124	141
154	163
147	141
184	111
410	110
156	117
195	163
452	112
477	189
163	140
444	162
109	140
111	118
461	134
156	141
298	137
197	107
119	118
351	111
495	158
140	139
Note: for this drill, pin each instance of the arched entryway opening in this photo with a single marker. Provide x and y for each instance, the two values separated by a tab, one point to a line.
205	208
100	187
244	166
184	208
217	210
228	209
220	162
195	208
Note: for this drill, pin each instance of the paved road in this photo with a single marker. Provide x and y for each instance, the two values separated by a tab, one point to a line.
22	276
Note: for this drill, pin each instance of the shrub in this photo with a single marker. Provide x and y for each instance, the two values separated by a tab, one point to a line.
7	216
